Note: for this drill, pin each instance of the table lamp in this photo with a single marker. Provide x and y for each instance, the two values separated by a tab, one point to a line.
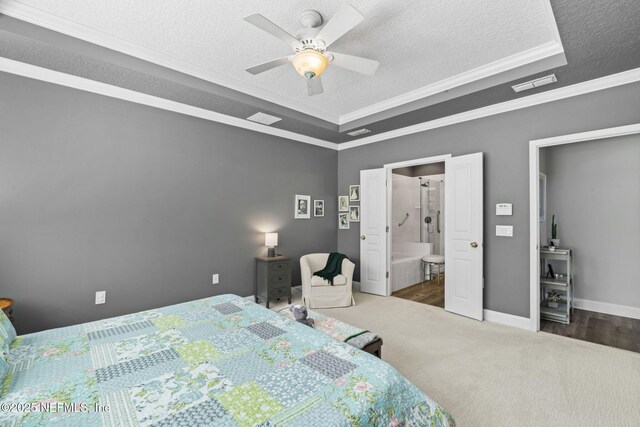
271	241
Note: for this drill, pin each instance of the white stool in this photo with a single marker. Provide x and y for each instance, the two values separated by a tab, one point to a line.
433	262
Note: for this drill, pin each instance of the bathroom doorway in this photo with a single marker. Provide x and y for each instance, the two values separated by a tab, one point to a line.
417	233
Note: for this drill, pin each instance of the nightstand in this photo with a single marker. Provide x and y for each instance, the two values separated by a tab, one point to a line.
273	278
6	304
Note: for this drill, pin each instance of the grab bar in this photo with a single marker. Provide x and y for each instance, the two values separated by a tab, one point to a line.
406	217
438	221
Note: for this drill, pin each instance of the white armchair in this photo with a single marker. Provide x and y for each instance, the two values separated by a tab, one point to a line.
317	292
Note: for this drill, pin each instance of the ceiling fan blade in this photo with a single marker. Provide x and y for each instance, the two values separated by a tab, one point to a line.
271	28
261	68
342	22
354	63
314	86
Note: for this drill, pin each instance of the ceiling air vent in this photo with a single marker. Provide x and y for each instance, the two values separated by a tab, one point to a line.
358	132
263	118
535	83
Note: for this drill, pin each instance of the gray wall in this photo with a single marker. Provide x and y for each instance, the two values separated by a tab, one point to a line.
102	194
594	191
504	139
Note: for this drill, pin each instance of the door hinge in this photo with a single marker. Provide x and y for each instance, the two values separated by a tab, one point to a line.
387	274
387	228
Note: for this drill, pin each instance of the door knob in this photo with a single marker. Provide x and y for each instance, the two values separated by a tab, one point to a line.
473	244
362	237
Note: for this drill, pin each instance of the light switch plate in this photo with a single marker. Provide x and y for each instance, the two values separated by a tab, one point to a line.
215	279
504	209
504	230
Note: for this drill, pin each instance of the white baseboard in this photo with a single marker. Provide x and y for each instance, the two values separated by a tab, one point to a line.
607	308
507	319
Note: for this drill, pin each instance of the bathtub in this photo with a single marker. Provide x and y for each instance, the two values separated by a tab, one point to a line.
406	263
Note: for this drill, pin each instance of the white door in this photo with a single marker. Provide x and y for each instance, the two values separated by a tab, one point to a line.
373	235
463	235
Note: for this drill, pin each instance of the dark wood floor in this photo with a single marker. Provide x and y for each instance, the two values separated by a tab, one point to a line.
429	292
600	328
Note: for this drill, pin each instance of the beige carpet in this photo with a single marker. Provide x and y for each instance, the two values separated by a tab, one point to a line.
486	374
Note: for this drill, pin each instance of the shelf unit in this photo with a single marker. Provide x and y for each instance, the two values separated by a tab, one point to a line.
563	285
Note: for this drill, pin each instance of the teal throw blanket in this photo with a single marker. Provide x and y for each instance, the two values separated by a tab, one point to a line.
333	267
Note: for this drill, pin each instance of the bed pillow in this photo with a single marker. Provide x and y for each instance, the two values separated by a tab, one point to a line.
7	327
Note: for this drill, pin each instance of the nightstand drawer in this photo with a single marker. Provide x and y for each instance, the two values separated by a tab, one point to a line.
279	267
282	291
279	280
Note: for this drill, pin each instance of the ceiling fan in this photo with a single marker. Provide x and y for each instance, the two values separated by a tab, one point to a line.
311	57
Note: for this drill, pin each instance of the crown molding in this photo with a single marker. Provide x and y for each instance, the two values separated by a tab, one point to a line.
32	15
469	81
55	77
602	83
87	85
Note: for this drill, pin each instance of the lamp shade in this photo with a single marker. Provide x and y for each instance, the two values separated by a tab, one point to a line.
310	63
271	239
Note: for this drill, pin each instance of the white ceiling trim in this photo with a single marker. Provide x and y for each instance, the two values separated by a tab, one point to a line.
607	82
18	10
75	82
35	16
55	77
472	80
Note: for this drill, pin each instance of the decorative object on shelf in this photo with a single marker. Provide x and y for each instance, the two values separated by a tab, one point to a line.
354	213
343	221
271	241
302	209
343	203
550	273
554	241
354	193
553	298
542	185
318	208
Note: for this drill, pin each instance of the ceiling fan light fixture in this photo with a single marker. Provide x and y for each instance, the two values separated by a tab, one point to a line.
309	63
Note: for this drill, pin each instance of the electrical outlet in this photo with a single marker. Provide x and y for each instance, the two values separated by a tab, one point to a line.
216	279
101	297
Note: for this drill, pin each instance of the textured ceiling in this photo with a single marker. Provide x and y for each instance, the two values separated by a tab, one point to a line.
599	37
416	42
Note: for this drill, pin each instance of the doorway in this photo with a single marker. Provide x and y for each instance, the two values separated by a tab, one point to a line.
584	226
417	233
463	248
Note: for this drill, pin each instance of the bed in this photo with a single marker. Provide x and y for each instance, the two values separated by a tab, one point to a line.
220	361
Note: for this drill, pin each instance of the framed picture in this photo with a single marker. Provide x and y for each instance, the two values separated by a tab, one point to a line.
343	203
318	208
343	221
354	213
354	193
302	208
542	203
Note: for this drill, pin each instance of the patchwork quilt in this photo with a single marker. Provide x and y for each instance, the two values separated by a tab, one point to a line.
220	361
335	328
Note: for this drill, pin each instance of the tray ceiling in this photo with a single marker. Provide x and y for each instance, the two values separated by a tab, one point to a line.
418	44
